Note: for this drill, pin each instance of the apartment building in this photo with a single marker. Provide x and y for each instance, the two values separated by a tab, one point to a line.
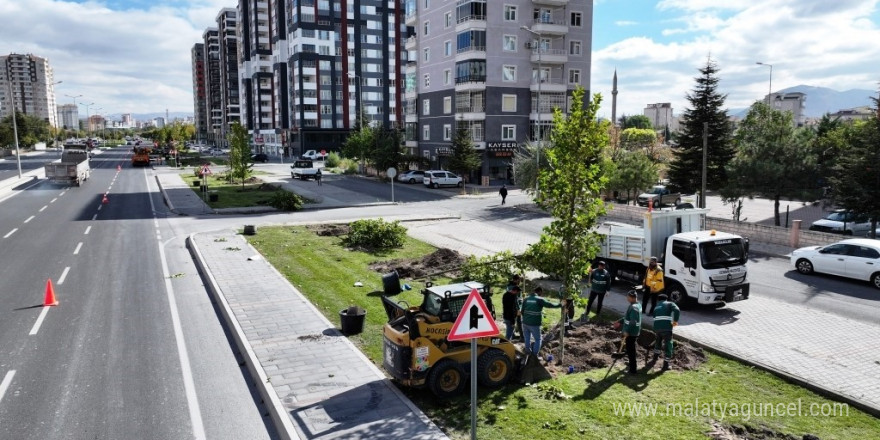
794	102
28	83
660	115
213	94
227	21
68	117
200	92
498	69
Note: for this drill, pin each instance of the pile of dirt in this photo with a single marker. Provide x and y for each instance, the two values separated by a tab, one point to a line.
443	260
330	229
746	432
591	345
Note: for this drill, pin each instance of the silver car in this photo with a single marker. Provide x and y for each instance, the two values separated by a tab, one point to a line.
857	258
843	222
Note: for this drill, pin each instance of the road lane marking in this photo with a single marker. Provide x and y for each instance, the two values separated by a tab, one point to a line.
78	247
62	193
63	276
39	322
95	217
29	219
99	207
87	230
7	380
44	208
53	200
10	233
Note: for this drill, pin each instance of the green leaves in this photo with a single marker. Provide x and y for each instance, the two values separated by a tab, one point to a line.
240	165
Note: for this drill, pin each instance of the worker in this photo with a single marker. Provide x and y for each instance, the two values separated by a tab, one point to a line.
517	281
665	319
532	313
598	282
631	326
511	304
653	285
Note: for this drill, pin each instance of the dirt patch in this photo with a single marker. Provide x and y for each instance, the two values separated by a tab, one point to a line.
745	432
592	345
443	260
330	229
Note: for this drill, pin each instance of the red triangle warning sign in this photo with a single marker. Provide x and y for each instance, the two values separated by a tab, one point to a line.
474	320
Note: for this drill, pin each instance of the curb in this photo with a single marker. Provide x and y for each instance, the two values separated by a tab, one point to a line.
165	197
280	418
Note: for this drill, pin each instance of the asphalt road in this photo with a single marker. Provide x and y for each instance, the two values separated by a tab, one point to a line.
31	161
134	349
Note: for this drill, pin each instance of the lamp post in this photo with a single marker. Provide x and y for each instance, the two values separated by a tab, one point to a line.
15	121
538	108
770	87
88	134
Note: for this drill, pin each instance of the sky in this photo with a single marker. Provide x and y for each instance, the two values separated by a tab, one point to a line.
133	56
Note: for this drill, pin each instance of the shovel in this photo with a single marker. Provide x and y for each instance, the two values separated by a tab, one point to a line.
616	356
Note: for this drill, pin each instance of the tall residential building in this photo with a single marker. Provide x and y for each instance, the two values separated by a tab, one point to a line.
213	89
68	116
227	20
200	94
497	71
794	102
660	115
28	81
127	120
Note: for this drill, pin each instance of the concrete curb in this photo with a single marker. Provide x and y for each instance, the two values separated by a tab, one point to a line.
165	196
283	422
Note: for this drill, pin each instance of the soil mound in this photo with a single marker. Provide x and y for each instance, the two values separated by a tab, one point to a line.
330	230
746	432
440	261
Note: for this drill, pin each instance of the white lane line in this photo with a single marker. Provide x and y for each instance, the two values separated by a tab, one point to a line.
7	380
10	233
87	230
29	219
78	247
62	193
39	322
63	276
99	207
53	200
94	217
44	208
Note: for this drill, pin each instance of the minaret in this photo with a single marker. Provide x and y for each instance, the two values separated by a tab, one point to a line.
614	99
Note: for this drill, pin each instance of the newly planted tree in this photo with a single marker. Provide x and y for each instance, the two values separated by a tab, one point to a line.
464	157
240	164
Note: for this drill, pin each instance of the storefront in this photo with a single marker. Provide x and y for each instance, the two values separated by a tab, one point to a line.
498	162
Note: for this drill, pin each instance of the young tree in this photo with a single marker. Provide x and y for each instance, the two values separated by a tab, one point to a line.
855	182
635	121
240	164
388	151
524	162
634	172
359	145
633	139
464	157
685	171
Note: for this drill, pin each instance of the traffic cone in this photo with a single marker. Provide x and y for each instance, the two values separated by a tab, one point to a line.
50	295
105	200
118	167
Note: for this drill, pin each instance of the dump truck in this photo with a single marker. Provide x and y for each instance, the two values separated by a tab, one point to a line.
73	169
141	156
699	266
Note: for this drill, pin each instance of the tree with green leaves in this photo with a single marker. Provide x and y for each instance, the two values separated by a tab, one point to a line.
635	121
359	145
388	149
633	172
706	106
464	157
633	139
524	162
240	163
31	129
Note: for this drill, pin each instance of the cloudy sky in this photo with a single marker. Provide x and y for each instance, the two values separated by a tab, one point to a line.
134	55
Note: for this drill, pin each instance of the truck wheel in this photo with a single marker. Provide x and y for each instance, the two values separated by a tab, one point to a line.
494	368
678	295
446	379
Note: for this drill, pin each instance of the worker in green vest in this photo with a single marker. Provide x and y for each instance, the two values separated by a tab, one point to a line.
666	316
631	326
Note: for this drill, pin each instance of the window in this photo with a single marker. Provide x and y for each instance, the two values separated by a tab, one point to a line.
426	106
427	26
508	103
574	48
508	132
509	13
510	43
447	48
427	80
449	19
426	4
426	132
427	54
447	77
447	132
508	73
576	19
447	105
574	76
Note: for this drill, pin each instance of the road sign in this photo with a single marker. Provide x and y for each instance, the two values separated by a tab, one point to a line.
474	320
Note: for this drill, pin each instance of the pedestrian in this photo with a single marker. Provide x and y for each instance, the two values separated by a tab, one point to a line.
631	326
503	192
318	176
511	304
599	281
532	313
665	319
653	285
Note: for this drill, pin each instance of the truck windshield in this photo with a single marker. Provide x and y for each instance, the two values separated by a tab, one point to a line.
722	253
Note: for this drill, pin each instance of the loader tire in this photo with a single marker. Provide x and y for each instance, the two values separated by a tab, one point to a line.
446	379
494	369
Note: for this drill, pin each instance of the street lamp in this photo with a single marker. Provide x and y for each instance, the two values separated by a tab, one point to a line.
88	134
538	110
15	122
770	87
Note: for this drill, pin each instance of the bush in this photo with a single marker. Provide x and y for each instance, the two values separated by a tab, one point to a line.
376	234
286	201
332	160
348	166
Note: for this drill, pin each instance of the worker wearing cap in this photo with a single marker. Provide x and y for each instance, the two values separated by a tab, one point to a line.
599	282
653	285
665	318
511	304
532	314
631	326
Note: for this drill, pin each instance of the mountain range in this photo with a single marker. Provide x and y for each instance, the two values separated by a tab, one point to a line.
821	100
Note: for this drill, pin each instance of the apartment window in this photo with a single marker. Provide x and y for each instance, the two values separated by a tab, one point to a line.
449	19
447	48
426	107
574	76
426	132
510	43
447	77
447	132
427	54
447	105
508	103
427	26
427	80
574	48
509	13
576	19
508	132
508	73
426	4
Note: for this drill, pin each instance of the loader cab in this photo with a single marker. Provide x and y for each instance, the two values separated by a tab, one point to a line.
446	301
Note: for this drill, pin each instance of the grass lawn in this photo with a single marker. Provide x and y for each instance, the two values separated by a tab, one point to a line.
230	195
580	405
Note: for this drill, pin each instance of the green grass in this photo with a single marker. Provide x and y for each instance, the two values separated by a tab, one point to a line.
230	195
325	272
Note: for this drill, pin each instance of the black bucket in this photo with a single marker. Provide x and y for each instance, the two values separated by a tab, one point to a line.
391	283
352	320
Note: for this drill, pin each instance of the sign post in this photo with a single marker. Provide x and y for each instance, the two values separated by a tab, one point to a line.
474	321
391	173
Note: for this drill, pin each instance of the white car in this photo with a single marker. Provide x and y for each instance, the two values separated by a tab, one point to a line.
438	178
843	222
411	176
857	258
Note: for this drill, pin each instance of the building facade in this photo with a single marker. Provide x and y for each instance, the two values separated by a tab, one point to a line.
68	117
227	21
27	83
794	102
200	93
660	115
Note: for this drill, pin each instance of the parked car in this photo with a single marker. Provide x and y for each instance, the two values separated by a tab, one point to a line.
259	157
843	222
411	176
313	155
660	195
856	258
438	178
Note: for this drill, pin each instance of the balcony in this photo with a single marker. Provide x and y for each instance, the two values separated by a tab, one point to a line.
412	18
411	42
558	3
470	22
550	25
549	85
470	53
470	82
549	56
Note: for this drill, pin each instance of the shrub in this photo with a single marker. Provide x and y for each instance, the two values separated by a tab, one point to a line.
286	201
332	160
376	234
348	166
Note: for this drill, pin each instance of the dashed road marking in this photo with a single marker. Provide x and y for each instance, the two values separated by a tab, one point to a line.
7	380
10	233
87	230
36	327
29	219
44	208
78	247
63	275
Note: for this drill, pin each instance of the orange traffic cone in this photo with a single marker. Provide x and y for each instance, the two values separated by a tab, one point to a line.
105	200
50	295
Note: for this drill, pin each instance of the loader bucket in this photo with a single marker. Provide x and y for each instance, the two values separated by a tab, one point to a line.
531	370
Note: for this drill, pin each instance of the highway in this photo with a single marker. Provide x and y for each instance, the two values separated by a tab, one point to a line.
134	349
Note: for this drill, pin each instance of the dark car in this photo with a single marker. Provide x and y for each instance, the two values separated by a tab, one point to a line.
259	158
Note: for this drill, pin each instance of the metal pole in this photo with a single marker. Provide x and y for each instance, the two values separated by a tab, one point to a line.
705	145
473	388
537	111
15	131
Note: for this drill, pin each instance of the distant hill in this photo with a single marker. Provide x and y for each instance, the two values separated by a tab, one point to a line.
821	100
